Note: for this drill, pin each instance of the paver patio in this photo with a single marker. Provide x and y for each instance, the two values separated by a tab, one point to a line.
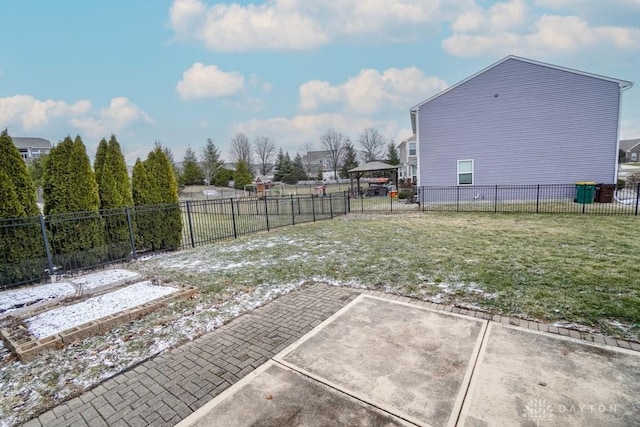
357	336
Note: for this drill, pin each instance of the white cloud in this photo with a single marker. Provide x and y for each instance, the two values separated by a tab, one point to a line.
31	113
511	27
304	24
119	115
371	91
208	81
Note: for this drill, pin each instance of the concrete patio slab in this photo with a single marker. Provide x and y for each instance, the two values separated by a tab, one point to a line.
525	377
274	396
404	359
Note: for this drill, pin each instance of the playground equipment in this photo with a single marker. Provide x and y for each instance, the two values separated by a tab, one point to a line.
263	189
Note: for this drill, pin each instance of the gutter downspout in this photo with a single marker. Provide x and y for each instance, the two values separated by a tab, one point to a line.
617	165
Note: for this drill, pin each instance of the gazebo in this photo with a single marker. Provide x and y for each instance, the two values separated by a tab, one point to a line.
372	167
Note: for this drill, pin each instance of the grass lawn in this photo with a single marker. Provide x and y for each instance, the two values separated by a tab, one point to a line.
578	269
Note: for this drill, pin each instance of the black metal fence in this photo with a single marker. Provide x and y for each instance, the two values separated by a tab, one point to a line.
560	199
33	249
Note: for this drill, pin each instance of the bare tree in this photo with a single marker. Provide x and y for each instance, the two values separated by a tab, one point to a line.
264	149
373	144
241	150
307	148
333	142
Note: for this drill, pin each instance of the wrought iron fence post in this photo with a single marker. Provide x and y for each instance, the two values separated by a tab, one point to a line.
266	211
347	202
637	197
47	249
313	208
391	204
458	199
293	211
233	220
132	237
193	243
330	206
538	199
495	201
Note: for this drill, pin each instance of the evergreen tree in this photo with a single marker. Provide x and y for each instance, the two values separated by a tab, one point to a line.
10	206
12	164
242	175
144	197
70	187
349	161
288	171
222	177
115	195
192	173
211	162
36	169
164	229
279	168
298	168
98	163
393	158
22	257
21	250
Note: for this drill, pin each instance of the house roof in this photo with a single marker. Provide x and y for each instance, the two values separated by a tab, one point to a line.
27	142
629	144
373	166
623	84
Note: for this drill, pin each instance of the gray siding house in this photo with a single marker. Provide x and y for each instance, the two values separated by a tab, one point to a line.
631	148
520	122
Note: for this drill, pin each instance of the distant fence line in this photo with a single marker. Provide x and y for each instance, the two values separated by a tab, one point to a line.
48	242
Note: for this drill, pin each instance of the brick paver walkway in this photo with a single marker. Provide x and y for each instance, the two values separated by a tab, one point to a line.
166	389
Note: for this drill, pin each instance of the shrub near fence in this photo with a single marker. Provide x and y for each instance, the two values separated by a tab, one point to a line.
34	248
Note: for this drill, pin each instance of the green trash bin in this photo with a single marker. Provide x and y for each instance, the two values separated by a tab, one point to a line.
585	192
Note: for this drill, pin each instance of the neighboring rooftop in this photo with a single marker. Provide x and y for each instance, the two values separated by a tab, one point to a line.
629	144
29	142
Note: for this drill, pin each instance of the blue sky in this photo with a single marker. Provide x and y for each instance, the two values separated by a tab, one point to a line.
183	71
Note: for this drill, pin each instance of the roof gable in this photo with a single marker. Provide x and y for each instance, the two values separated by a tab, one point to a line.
629	144
622	84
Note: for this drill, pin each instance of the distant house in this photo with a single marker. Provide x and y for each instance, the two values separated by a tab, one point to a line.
520	121
631	147
31	148
407	152
317	160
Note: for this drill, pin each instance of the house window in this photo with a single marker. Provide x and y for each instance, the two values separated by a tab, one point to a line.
634	157
465	172
414	173
412	148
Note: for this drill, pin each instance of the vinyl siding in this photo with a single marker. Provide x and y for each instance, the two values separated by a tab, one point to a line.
546	126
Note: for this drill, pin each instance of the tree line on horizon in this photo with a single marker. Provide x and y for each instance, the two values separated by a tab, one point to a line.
261	157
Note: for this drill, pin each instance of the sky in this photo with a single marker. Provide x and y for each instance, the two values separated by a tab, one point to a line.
180	72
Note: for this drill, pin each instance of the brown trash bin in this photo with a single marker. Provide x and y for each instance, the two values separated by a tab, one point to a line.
605	192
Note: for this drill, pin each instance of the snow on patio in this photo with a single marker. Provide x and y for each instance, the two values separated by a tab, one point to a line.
18	298
62	318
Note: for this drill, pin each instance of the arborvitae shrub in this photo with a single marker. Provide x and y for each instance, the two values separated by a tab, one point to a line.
71	205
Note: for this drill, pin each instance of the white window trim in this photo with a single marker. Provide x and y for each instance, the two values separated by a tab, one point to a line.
473	175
